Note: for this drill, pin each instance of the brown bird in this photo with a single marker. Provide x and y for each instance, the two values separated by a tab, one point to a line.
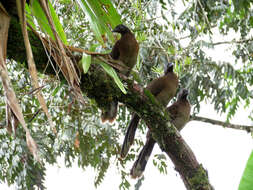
125	50
164	89
179	113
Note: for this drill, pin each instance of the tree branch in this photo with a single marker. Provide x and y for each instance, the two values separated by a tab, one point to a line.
232	42
169	140
221	123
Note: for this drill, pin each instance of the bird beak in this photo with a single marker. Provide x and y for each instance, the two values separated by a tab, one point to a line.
185	92
168	68
170	65
116	29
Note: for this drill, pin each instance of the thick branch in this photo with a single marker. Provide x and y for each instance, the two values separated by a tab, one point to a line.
221	123
169	140
97	85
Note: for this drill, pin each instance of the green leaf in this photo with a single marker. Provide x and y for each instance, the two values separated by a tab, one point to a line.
150	96
102	17
246	180
86	61
105	11
56	90
114	75
38	12
136	76
95	26
29	17
57	24
188	60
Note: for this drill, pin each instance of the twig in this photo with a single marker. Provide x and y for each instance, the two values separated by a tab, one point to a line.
80	50
221	123
233	41
105	57
45	44
203	10
153	47
34	115
184	37
114	64
36	90
151	19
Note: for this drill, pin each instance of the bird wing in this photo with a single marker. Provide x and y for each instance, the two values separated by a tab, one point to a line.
156	86
115	51
173	111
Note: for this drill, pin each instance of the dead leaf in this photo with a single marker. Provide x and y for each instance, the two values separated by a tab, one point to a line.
77	141
32	146
64	62
31	64
9	92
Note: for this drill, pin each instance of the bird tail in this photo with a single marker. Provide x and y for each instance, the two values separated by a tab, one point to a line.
129	137
111	113
141	162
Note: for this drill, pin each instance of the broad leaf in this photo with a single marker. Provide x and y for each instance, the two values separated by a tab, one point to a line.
246	181
102	17
86	61
114	75
38	12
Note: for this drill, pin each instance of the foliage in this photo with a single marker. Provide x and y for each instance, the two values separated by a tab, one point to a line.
78	131
181	31
246	182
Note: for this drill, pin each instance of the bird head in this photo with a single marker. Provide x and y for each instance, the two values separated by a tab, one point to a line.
168	68
183	94
122	29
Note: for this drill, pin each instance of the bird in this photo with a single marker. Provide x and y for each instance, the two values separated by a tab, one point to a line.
164	89
125	50
179	114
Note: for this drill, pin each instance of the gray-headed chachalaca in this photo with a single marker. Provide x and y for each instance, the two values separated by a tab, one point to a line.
164	89
179	113
125	50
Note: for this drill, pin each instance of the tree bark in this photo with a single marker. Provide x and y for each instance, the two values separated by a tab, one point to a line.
248	128
97	85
